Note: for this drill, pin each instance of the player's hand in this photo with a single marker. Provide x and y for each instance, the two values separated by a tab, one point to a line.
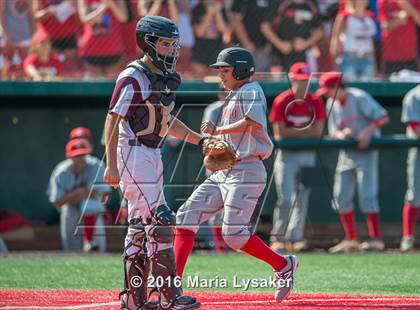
208	128
364	138
342	134
347	133
111	176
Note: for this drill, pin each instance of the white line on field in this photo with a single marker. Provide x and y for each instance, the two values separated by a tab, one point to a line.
238	302
64	307
312	300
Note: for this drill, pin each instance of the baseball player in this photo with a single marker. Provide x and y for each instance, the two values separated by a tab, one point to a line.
236	190
353	113
138	120
295	114
75	188
411	209
91	209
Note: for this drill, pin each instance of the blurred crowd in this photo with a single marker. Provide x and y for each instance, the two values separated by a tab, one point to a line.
94	39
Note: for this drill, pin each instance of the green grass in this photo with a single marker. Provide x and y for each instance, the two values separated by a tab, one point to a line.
357	274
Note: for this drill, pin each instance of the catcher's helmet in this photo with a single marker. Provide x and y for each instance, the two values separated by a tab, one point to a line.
239	58
149	30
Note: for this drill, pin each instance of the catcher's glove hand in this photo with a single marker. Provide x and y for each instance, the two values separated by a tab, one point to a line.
218	154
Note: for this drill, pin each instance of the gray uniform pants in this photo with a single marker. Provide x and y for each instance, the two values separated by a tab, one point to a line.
361	169
69	221
290	192
236	191
413	177
72	234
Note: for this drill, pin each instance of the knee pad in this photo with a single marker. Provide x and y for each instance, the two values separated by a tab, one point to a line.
164	216
163	268
160	234
235	236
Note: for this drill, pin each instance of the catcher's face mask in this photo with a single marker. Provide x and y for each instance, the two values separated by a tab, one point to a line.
166	51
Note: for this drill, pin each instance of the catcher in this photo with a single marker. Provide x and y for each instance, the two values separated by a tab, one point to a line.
236	190
139	118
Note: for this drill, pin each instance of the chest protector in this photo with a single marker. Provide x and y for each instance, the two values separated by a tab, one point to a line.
151	117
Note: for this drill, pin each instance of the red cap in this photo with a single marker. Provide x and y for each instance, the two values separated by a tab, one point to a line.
78	147
329	80
80	132
300	71
39	37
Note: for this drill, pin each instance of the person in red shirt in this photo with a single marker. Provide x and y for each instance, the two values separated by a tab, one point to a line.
102	45
399	36
41	64
295	114
59	19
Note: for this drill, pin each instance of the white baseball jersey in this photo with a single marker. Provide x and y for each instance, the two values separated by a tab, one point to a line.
411	114
411	108
132	87
358	111
248	101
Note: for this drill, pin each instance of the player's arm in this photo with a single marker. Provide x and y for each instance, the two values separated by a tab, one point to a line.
281	131
73	197
111	175
240	126
415	127
179	130
365	136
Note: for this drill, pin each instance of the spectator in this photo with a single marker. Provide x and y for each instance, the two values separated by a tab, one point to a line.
59	19
211	32
186	39
247	18
131	50
354	114
165	8
353	33
328	10
74	189
102	42
293	28
411	210
295	114
17	27
398	20
41	64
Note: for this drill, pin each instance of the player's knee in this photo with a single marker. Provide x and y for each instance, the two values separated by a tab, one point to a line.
161	234
235	236
285	203
369	204
164	216
134	240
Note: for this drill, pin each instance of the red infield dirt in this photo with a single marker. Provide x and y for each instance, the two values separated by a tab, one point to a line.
105	300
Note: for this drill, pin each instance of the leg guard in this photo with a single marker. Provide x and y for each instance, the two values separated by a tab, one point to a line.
136	270
160	235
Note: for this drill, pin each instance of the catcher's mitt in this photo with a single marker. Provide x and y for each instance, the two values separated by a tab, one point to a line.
218	154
